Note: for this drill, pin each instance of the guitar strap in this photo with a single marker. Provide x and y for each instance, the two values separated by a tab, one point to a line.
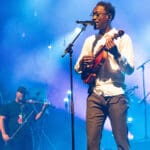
97	38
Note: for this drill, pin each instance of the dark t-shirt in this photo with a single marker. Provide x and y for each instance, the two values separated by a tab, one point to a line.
19	118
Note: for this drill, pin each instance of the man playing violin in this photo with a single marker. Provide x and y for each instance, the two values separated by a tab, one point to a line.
16	120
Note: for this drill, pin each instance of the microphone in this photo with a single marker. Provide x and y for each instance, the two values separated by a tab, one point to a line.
87	22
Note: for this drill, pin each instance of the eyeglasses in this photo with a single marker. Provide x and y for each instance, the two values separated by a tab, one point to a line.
98	14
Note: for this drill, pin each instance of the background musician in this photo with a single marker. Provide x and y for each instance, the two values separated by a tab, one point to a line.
16	120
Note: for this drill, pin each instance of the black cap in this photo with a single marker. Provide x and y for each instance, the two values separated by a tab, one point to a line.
22	90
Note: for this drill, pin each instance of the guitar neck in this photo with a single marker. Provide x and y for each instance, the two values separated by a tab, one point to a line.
115	36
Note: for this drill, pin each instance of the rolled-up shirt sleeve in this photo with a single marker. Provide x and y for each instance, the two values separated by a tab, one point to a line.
126	61
86	50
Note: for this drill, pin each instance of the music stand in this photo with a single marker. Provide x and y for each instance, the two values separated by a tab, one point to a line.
40	135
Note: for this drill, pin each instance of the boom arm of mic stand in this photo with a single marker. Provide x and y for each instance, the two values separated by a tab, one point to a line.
141	66
69	47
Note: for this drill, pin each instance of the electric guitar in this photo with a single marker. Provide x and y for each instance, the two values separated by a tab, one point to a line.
89	74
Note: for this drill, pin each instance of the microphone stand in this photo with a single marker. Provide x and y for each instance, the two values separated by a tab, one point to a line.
70	51
144	95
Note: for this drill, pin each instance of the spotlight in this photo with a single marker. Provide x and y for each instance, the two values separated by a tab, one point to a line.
69	94
49	46
66	102
130	120
67	99
130	136
77	30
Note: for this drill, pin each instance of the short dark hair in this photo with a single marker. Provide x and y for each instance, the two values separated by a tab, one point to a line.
22	90
109	8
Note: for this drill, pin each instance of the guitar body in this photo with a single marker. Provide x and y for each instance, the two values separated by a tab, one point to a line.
89	74
100	59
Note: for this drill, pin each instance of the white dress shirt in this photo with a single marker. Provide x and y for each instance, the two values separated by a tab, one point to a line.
111	76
